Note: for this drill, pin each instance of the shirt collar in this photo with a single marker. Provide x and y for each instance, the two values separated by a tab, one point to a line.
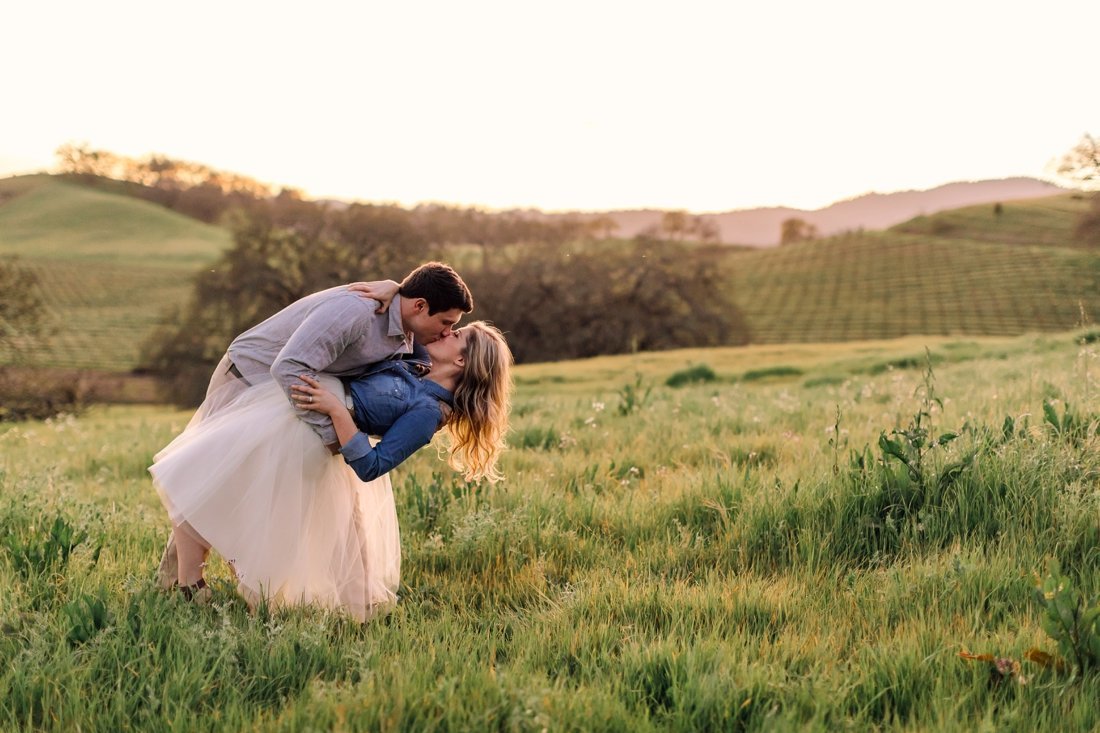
396	327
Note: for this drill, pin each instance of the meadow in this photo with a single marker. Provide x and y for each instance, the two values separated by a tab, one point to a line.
794	537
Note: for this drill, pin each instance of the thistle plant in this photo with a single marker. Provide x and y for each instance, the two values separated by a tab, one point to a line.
912	444
632	397
1071	620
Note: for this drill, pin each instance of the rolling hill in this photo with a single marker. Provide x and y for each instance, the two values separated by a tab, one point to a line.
111	265
965	271
108	265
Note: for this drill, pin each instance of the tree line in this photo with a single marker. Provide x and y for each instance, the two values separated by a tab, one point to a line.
557	293
215	197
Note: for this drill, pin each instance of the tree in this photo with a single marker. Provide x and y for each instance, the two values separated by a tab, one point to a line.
1087	229
640	297
22	311
602	226
380	239
706	230
268	268
30	394
675	225
1081	164
80	160
797	230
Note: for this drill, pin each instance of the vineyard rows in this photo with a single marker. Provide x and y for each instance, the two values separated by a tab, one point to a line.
883	286
100	313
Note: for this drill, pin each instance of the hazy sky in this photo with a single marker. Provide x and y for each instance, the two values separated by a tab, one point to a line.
707	106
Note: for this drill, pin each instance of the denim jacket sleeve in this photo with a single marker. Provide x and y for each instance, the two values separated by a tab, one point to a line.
409	433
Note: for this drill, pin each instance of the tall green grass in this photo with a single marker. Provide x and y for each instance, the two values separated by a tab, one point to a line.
727	555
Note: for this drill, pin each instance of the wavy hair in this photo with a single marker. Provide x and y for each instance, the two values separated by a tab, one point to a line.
482	401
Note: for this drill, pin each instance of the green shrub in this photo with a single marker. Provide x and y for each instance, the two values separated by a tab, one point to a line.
691	375
1070	619
753	375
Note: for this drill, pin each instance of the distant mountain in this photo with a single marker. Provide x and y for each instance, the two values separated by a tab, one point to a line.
760	227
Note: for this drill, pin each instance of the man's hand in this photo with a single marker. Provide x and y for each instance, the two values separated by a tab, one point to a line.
383	291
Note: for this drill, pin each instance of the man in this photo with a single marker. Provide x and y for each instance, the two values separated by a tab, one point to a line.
338	332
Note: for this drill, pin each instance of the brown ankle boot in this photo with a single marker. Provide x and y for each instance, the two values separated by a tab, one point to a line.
198	592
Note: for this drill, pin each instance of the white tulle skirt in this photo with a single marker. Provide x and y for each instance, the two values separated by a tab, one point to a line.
295	522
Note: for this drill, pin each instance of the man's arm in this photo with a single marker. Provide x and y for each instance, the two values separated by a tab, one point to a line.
320	339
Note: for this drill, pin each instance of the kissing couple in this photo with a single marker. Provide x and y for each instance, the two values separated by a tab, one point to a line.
284	468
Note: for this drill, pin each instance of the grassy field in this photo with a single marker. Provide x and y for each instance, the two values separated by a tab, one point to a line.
111	265
732	554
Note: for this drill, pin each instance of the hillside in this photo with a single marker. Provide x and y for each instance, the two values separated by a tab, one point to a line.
1047	221
109	266
965	271
44	217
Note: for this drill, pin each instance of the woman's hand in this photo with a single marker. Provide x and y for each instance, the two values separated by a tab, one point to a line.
383	291
312	396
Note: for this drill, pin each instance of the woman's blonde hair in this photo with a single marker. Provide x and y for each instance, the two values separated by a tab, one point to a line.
482	401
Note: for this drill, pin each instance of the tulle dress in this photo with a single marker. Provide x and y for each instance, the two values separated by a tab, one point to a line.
294	521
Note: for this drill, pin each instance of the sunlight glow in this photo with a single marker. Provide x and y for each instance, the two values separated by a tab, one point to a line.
700	105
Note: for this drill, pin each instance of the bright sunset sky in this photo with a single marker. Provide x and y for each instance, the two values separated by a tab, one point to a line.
707	106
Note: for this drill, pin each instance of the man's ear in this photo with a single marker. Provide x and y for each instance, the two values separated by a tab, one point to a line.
420	305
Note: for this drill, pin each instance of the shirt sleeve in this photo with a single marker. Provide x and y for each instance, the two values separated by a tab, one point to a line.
320	339
412	431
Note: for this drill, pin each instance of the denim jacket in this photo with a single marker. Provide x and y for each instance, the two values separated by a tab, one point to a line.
403	408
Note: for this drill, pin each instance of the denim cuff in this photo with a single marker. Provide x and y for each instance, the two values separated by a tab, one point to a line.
356	448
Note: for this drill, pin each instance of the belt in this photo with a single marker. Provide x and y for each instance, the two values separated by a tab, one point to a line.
237	373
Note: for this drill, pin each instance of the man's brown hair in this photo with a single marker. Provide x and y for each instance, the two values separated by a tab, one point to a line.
440	285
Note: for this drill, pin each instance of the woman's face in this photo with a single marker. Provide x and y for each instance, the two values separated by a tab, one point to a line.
450	349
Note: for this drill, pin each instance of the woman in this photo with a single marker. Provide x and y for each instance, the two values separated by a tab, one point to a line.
297	524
